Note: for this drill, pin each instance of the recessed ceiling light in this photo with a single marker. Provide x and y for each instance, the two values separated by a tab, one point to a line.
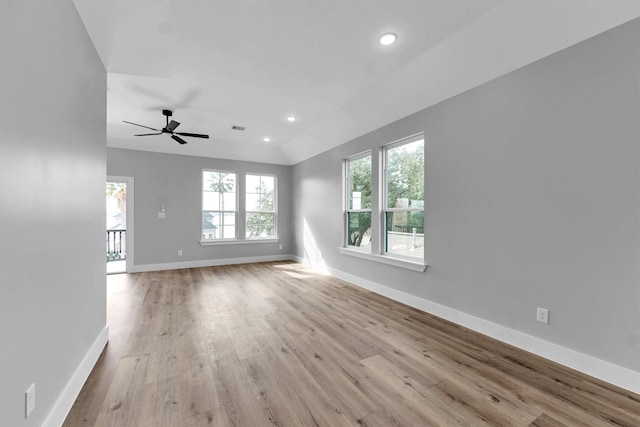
266	139
291	118
387	39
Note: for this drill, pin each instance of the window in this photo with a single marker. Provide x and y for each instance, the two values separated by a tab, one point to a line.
260	207
219	205
384	204
358	193
404	198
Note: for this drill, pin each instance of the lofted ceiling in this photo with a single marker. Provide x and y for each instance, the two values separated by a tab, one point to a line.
251	63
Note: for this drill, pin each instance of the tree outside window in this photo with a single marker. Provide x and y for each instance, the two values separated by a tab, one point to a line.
358	190
260	203
404	204
218	205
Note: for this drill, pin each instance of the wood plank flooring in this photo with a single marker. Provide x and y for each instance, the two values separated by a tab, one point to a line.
273	344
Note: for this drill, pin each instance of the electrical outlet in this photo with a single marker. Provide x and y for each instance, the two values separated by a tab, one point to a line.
280	247
161	215
29	400
179	252
542	315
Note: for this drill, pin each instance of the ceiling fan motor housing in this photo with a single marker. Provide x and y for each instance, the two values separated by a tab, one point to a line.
167	113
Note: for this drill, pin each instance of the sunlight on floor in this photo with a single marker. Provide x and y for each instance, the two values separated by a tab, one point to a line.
115	267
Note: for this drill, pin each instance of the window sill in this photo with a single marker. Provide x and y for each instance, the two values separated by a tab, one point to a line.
386	259
235	242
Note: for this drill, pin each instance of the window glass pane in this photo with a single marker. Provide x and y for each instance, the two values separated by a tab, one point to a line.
210	201
268	183
207	178
405	175
219	190
260	194
404	233
253	201
219	181
359	229
266	203
228	232
229	218
253	183
260	218
359	183
260	225
229	202
218	225
209	228
218	196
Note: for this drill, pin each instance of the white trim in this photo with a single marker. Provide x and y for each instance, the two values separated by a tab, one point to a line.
208	263
598	368
405	140
67	398
404	209
385	259
235	242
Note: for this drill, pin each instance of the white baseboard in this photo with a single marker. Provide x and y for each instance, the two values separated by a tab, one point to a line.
70	393
601	369
208	263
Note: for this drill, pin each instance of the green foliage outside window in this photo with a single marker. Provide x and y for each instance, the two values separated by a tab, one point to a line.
260	206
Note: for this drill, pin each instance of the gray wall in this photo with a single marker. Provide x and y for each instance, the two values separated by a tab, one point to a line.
52	213
175	181
532	199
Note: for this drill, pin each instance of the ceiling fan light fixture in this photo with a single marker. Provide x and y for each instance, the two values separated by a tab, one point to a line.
291	119
169	128
388	39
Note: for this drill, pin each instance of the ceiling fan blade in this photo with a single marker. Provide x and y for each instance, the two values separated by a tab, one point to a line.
194	135
148	134
172	125
180	140
142	126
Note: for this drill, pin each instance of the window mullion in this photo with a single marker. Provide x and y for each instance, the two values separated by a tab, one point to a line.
240	202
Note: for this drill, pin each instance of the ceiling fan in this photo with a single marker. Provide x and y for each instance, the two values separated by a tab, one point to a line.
169	128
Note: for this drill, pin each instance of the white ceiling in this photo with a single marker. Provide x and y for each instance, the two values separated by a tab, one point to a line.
253	62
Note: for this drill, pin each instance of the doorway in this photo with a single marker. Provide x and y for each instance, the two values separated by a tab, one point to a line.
119	221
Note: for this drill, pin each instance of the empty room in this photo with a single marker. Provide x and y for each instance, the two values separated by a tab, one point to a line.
336	213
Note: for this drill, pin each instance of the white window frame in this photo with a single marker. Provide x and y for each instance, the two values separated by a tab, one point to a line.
274	212
379	209
385	185
346	202
235	211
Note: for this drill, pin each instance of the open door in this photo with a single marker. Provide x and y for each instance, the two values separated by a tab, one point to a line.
119	236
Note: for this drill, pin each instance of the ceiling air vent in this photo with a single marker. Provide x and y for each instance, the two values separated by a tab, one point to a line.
234	127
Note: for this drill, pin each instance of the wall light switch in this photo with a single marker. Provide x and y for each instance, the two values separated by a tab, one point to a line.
161	215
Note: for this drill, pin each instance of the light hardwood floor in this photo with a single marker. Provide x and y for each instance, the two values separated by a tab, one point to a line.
274	344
